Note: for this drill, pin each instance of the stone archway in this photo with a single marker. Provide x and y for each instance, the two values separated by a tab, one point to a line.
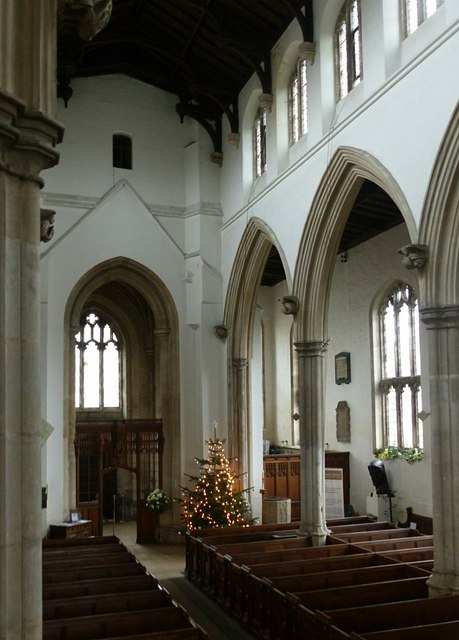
331	206
244	283
439	231
146	287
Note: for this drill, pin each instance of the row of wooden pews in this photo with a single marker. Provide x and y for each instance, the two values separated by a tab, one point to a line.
369	581
93	588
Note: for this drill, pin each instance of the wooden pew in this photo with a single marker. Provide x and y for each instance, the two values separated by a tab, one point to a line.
378	534
266	598
118	584
104	603
91	560
92	573
319	564
365	594
121	623
346	577
440	630
394	615
409	542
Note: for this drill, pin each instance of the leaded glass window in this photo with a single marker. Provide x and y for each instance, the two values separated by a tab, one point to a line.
97	365
417	11
348	47
400	384
259	142
298	102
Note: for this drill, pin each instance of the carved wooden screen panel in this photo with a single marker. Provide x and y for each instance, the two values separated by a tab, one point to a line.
102	448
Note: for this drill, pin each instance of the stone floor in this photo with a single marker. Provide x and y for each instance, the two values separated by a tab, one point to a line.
167	564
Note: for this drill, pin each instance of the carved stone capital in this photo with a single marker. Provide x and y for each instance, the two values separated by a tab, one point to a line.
27	140
414	255
311	349
46	224
290	305
441	317
265	101
221	331
240	363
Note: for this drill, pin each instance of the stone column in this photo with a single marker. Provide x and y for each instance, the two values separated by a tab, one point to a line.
27	140
311	422
237	443
443	341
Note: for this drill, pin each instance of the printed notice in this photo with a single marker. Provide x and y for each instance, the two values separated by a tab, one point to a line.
334	495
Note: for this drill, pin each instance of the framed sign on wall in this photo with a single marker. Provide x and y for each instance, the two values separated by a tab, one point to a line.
343	367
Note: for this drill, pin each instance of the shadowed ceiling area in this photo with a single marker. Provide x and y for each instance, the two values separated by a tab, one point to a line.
202	51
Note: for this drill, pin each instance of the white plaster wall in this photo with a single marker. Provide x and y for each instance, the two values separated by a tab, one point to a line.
277	366
399	122
369	267
164	214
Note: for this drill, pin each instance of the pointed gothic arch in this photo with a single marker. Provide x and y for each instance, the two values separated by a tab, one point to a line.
440	222
147	288
331	207
241	298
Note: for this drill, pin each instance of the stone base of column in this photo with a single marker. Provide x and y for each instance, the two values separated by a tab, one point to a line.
442	585
317	532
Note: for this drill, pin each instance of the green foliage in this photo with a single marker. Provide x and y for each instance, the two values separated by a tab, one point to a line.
214	500
409	454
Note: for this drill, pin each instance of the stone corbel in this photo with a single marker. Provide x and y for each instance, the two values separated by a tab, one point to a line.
88	16
234	139
414	255
290	305
221	331
265	101
46	224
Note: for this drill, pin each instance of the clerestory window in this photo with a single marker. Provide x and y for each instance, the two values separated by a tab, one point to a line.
348	47
415	12
97	365
298	102
259	142
400	381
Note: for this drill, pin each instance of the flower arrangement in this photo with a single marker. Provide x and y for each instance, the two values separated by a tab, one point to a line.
405	453
158	500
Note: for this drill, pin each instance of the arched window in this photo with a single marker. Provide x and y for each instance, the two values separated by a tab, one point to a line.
122	151
415	12
348	47
97	365
400	378
298	102
259	142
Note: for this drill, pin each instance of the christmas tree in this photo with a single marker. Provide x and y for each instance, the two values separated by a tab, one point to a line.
214	501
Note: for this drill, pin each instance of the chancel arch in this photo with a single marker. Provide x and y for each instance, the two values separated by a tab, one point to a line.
135	303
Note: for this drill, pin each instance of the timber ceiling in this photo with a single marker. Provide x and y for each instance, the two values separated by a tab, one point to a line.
202	51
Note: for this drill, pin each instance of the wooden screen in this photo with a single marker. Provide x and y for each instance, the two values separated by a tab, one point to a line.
101	448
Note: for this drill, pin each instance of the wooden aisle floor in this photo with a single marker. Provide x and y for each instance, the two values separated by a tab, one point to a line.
167	564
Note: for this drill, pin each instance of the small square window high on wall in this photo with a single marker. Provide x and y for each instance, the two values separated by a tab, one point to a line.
415	12
122	151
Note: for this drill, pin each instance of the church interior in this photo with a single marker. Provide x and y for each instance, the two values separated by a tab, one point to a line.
230	222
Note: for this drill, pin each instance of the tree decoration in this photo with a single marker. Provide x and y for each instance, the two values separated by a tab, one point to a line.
214	500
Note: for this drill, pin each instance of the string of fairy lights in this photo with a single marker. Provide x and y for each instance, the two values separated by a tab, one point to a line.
214	502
